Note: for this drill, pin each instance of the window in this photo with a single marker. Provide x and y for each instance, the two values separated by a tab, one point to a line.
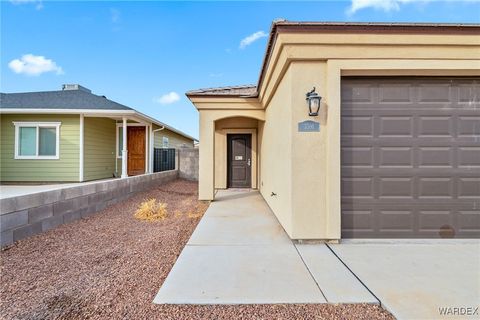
119	142
37	140
165	142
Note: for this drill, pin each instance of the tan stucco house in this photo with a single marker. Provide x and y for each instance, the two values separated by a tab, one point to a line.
394	151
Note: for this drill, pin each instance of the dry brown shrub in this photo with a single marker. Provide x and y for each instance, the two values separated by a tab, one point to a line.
151	210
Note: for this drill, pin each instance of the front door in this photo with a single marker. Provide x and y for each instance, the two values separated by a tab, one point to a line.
239	160
136	150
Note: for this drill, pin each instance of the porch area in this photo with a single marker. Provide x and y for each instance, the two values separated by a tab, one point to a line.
126	147
232	157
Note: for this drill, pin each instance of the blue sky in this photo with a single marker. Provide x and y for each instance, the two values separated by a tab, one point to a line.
146	55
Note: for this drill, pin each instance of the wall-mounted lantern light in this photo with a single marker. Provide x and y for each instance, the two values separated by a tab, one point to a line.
313	100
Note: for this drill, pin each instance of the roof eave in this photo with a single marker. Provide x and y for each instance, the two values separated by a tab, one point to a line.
285	26
221	96
100	112
66	111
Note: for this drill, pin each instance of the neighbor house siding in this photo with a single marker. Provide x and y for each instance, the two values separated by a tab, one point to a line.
174	139
66	168
99	148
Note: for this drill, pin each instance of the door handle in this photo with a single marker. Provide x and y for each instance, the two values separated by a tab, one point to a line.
248	162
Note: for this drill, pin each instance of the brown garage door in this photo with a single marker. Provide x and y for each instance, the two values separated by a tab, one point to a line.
410	152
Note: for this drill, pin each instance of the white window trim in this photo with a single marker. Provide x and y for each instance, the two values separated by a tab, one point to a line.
120	125
19	124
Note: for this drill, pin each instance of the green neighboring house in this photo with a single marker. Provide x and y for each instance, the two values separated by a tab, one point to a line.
73	135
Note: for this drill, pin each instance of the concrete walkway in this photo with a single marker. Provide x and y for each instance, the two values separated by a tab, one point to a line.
239	254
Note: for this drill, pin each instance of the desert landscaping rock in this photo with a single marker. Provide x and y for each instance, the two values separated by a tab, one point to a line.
110	265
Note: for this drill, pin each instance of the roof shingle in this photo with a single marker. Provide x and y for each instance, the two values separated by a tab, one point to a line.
63	99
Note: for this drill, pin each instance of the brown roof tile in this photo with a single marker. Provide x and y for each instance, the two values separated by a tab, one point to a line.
237	91
356	27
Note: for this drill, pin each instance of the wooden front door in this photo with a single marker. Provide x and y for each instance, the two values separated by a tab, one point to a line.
136	150
239	160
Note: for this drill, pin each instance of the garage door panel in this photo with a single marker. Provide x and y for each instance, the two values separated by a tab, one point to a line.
432	221
396	187
435	157
396	220
396	157
469	93
395	93
469	221
469	157
358	187
436	126
357	126
396	126
427	221
410	151
469	187
358	93
361	220
468	126
357	156
435	188
434	92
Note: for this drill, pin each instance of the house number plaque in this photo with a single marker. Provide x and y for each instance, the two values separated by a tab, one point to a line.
238	157
308	126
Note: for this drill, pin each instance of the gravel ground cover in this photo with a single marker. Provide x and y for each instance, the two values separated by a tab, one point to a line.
110	266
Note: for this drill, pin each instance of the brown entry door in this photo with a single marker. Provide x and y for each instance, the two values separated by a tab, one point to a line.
136	150
239	160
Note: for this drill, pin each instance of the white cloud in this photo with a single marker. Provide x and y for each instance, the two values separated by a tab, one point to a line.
32	65
168	98
114	15
215	75
252	38
38	3
388	5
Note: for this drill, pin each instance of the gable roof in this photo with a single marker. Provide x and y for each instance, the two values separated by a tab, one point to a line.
76	100
62	99
283	26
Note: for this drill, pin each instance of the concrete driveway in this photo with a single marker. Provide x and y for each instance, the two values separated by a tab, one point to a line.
240	254
419	279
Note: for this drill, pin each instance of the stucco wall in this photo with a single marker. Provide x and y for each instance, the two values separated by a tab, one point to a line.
308	154
276	153
207	150
40	170
303	169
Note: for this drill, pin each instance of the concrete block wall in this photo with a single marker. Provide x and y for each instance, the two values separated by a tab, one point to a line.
24	216
188	164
